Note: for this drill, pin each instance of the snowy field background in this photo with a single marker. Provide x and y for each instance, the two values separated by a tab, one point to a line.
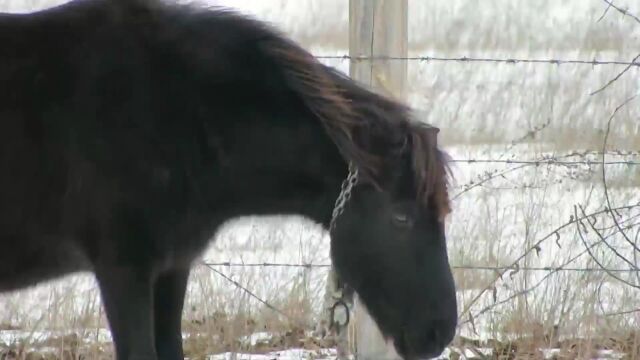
502	210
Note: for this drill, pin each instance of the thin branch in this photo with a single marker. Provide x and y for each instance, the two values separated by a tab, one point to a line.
604	174
604	13
617	76
594	258
264	302
626	312
487	179
528	290
622	11
616	252
545	160
514	265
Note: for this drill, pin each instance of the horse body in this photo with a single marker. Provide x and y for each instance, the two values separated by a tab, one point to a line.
93	140
130	132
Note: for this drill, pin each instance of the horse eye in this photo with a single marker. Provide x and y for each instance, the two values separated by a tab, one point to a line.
402	219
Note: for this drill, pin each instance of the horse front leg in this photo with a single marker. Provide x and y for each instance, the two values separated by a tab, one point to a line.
169	293
127	297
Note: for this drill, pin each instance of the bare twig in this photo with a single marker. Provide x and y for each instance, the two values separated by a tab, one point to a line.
250	293
602	239
604	13
622	11
515	264
531	133
488	178
544	160
594	258
529	289
604	174
626	312
617	76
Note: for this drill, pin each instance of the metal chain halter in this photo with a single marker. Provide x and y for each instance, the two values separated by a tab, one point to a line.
345	194
338	320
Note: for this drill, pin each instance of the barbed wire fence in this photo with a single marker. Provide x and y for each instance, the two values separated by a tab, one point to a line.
471	59
624	218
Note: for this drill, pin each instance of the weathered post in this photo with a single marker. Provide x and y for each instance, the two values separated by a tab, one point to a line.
377	28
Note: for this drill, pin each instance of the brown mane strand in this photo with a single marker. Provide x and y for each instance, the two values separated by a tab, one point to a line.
331	98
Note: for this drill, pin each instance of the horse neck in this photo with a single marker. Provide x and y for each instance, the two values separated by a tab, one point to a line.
285	164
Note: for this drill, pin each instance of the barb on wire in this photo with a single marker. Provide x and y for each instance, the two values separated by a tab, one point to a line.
469	59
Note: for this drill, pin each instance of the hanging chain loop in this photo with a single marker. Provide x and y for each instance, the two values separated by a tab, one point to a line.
345	194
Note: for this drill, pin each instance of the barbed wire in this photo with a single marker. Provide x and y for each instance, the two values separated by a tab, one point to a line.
555	160
469	59
457	267
545	162
251	294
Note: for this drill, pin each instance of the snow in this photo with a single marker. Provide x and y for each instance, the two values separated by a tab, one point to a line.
291	354
15	336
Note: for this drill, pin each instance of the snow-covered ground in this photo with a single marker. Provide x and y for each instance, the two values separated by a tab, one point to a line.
485	111
291	354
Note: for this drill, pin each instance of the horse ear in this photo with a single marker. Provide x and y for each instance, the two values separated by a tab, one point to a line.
431	134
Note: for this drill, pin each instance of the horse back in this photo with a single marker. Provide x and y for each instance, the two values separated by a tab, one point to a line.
58	163
131	139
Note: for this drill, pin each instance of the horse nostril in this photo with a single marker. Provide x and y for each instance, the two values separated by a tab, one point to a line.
426	339
442	339
436	338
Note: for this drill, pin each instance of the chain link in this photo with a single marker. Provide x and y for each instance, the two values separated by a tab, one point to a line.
345	194
338	323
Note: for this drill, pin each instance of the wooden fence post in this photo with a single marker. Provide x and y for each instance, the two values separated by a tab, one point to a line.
377	28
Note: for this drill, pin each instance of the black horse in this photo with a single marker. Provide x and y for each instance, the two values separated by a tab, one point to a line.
131	130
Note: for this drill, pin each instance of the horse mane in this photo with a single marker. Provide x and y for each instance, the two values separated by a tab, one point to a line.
370	130
351	114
